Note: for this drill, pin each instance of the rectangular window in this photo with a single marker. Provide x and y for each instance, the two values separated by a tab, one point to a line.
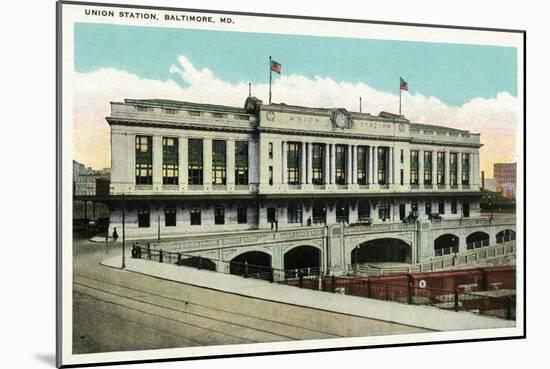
319	214
454	207
384	210
342	213
363	210
294	213
195	214
219	215
271	215
440	168
465	168
414	167
362	164
271	175
428	168
341	152
441	207
293	162
428	208
466	209
194	157
144	160
170	217
170	161
144	219
241	162
402	157
402	177
241	215
317	156
219	162
270	150
382	165
453	169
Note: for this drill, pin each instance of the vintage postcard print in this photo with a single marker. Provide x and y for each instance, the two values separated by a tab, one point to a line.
233	184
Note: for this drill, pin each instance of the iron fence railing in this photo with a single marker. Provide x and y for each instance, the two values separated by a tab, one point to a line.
477	244
479	303
445	259
313	278
446	251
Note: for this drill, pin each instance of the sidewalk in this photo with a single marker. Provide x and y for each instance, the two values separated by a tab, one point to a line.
426	317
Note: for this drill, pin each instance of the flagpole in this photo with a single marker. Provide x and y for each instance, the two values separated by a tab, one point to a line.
270	72
399	96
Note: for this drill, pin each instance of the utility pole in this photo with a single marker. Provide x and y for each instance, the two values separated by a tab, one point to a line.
123	232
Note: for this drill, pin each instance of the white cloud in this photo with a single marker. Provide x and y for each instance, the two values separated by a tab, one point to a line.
495	118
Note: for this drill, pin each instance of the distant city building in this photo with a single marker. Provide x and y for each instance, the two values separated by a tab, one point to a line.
84	179
505	178
490	184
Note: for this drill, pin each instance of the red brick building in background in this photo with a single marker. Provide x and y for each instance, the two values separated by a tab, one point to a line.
505	178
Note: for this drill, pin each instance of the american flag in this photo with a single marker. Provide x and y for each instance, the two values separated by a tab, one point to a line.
275	67
403	85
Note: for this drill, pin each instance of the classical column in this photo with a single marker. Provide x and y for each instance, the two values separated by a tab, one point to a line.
183	163
332	163
157	161
207	162
230	160
390	165
354	169
309	163
303	174
393	166
349	163
447	167
459	169
375	164
370	178
420	168
326	155
472	169
284	175
434	169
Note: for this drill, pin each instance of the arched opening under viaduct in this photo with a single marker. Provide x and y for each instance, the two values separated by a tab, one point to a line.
382	250
477	240
506	236
251	262
199	263
302	257
446	244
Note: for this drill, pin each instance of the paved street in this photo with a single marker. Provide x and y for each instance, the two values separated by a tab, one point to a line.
116	310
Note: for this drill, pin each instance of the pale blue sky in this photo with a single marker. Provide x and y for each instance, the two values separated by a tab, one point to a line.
451	72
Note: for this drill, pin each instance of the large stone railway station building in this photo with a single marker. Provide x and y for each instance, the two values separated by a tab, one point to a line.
291	187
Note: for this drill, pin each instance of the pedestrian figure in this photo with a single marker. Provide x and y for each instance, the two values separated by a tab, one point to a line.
115	235
309	221
271	225
276	225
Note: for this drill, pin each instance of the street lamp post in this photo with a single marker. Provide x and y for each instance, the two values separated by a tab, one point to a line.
123	232
158	227
491	205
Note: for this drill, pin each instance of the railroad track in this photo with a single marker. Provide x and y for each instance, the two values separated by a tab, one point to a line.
205	323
